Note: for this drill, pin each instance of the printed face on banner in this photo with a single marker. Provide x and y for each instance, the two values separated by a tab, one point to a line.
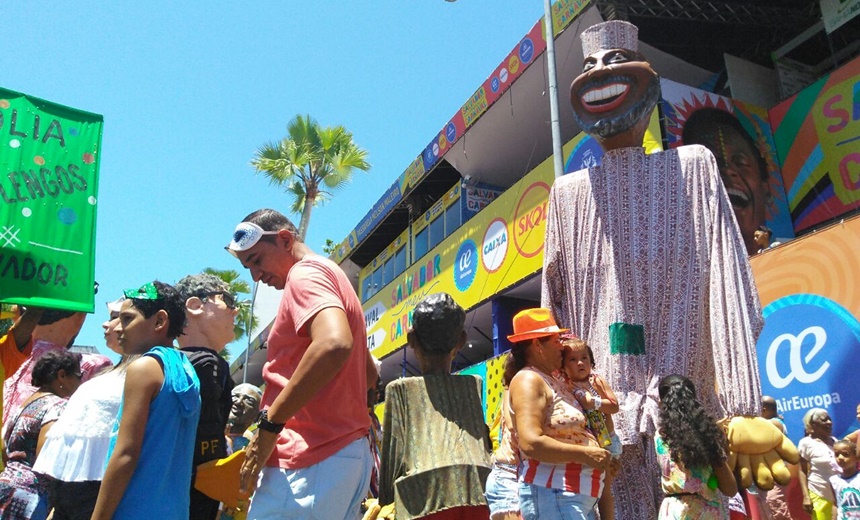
743	169
48	189
741	140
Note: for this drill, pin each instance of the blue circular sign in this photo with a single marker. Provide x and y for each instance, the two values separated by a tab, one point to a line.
466	265
451	132
807	354
429	158
495	84
586	154
527	50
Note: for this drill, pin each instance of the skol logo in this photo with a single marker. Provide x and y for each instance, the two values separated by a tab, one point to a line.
530	220
790	345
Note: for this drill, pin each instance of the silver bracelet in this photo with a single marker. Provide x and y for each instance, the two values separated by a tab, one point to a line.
598	402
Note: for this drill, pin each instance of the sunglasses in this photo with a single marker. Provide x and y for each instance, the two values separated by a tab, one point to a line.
246	236
228	299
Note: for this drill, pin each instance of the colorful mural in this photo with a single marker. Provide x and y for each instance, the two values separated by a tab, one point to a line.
817	134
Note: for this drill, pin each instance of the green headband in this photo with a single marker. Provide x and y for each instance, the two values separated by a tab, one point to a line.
146	292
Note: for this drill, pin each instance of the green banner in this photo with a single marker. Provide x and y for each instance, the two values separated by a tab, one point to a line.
49	164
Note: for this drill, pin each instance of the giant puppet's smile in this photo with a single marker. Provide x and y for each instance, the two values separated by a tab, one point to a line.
606	97
616	90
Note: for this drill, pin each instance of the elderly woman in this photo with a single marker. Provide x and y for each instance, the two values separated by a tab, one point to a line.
23	493
563	465
75	449
817	464
436	447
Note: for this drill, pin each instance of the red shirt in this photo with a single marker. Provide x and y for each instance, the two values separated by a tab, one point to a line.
337	415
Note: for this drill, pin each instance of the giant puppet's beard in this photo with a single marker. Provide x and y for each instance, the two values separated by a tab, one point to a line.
618	124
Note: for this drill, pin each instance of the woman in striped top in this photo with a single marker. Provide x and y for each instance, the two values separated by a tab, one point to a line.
562	464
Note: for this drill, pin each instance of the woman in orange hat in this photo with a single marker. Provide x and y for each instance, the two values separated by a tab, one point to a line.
561	475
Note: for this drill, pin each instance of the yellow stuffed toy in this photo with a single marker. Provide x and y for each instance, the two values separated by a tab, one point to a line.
757	449
219	479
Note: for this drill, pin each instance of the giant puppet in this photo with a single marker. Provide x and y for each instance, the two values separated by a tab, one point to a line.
644	260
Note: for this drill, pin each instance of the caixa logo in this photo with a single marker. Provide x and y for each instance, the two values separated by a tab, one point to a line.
807	355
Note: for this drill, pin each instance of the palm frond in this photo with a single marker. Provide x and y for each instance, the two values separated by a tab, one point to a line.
310	158
297	191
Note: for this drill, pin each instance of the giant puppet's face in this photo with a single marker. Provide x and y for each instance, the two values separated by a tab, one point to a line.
615	93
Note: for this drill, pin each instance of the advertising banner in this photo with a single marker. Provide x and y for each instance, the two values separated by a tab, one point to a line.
49	159
744	148
564	12
497	248
392	196
808	349
477	198
834	13
512	67
817	135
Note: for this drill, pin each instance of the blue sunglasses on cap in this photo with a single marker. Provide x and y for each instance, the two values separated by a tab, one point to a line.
246	236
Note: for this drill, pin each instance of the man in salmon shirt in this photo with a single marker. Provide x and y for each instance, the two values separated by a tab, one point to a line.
310	450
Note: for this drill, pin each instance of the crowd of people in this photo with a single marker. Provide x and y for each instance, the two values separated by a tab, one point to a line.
671	314
85	438
557	448
165	433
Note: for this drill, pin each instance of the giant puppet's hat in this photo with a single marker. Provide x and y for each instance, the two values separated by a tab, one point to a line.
616	34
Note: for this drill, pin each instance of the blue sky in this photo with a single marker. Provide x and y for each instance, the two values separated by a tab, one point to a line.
189	90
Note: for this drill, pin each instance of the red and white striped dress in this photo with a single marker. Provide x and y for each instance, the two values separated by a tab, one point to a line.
564	422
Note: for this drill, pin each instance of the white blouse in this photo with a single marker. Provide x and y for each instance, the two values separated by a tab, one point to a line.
76	446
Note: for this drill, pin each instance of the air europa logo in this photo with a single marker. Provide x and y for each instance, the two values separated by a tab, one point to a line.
807	357
530	220
796	362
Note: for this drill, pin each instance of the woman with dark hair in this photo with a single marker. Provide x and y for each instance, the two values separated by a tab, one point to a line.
23	494
692	453
436	446
563	465
75	449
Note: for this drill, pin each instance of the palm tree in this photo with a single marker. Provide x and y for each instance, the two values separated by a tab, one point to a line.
245	321
311	163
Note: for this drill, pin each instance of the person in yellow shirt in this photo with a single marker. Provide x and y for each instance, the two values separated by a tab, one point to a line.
15	348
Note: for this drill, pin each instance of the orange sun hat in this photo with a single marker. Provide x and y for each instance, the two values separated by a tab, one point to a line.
534	323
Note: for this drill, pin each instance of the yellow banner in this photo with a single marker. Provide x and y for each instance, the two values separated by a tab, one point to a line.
563	12
475	106
497	248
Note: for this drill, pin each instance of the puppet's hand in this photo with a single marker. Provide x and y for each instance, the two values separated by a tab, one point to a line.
759	450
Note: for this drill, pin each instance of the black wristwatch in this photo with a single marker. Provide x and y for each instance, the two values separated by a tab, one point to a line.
264	423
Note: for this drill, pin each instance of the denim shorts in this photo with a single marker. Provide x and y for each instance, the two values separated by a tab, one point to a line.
543	502
330	489
503	489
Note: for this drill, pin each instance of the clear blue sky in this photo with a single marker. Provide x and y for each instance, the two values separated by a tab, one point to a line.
189	90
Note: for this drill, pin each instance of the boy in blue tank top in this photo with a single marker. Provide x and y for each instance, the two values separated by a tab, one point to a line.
148	472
